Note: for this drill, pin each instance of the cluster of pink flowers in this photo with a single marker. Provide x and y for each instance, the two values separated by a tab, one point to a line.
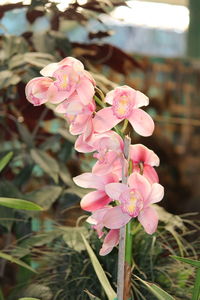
112	203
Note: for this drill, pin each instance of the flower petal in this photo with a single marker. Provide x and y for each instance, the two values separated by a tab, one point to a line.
85	91
104	120
141	122
140	153
115	218
141	184
82	146
114	190
110	241
94	200
49	69
149	219
140	99
150	174
157	193
89	180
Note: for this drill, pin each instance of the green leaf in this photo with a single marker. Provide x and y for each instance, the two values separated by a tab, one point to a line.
8	78
16	261
196	290
46	196
19	204
100	272
194	263
91	296
4	161
156	290
28	298
46	162
72	237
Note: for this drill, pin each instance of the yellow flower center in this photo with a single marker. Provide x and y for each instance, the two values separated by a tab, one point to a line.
132	203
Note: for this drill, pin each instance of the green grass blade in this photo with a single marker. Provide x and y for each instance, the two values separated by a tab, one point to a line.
19	204
5	160
194	263
156	290
196	290
99	271
16	261
28	298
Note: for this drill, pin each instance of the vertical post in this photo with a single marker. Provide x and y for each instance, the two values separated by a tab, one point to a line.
122	238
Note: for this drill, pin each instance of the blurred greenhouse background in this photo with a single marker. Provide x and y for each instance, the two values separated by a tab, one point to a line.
153	46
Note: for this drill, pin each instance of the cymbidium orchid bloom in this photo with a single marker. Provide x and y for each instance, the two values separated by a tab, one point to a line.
37	90
100	142
125	103
96	199
143	160
111	239
135	200
70	77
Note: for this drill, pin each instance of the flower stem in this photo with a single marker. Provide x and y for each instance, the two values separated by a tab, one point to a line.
121	254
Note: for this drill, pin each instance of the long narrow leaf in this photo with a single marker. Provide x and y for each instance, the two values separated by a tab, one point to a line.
194	263
16	261
5	160
196	290
156	290
19	204
28	298
100	272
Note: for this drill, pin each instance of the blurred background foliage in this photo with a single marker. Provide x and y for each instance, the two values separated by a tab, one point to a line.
44	160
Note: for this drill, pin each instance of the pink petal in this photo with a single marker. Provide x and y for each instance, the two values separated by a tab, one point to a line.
141	122
85	91
48	70
111	240
88	130
141	184
156	194
115	218
94	200
140	99
104	120
140	153
114	190
82	146
78	126
90	180
149	219
150	174
55	96
109	97
110	162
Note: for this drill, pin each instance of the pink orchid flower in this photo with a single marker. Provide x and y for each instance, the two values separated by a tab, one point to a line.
37	90
70	77
79	116
111	239
139	154
125	103
111	161
100	142
96	199
135	200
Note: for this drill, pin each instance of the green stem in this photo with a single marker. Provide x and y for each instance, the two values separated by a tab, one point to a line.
196	290
124	126
99	101
129	244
